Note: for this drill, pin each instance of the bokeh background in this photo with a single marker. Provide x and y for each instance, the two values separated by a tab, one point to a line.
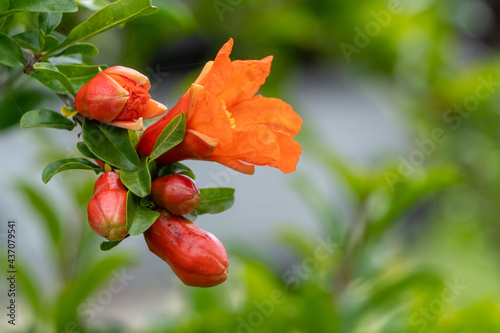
390	223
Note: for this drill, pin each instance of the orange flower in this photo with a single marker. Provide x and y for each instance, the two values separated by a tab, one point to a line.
227	124
118	96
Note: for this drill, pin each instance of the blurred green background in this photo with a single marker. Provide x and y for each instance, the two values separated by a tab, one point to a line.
389	224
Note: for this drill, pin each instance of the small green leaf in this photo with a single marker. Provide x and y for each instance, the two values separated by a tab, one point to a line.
137	181
49	82
54	73
47	22
106	246
11	54
78	75
108	17
110	144
46	6
175	168
215	200
46	118
84	150
28	40
68	164
82	48
171	136
139	218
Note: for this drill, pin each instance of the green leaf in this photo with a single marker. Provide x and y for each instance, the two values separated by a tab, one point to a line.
11	54
108	17
82	48
54	73
44	5
82	286
139	218
46	118
47	22
28	40
68	164
191	216
215	200
171	136
110	144
106	246
42	207
78	75
49	82
84	150
137	181
175	168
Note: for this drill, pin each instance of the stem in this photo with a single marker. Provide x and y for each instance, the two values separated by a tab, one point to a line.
355	241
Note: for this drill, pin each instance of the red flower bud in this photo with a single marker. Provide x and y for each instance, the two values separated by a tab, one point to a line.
118	96
176	193
107	209
109	181
196	256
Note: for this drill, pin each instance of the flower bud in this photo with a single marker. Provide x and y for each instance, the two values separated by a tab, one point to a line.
196	256
109	181
118	96
176	193
107	209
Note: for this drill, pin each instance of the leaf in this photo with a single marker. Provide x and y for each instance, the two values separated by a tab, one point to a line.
11	54
49	82
44	5
139	218
106	246
54	73
78	75
108	17
175	168
215	200
171	135
82	48
110	144
41	206
46	118
28	40
82	286
47	22
137	181
68	164
191	216
47	6
84	150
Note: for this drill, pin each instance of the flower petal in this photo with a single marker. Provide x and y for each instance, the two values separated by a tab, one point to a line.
216	74
272	112
195	145
247	77
129	73
290	152
103	98
254	144
129	124
153	109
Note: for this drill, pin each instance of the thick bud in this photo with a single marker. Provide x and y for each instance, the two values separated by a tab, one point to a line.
107	209
196	256
176	193
109	181
118	96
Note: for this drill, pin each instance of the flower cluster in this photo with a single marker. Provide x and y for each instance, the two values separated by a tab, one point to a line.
144	189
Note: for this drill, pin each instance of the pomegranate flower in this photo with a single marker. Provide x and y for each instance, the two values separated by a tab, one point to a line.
227	124
118	96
